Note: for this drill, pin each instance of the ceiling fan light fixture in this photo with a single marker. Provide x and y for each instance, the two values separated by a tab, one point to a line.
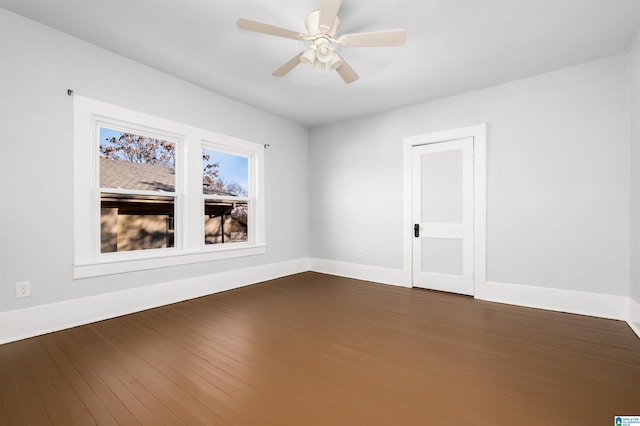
308	57
318	66
321	56
324	52
335	61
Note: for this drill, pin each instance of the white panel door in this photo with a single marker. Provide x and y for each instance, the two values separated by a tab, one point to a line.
442	178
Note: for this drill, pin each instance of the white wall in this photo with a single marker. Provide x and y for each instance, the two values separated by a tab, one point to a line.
557	184
635	172
38	66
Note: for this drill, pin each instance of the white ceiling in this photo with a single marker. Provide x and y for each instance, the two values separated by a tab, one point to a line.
453	46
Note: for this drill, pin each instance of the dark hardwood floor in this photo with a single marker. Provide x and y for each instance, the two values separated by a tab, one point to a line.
312	349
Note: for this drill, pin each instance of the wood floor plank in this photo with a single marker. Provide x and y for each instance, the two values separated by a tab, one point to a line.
218	362
64	405
89	355
123	350
32	407
192	386
11	409
94	405
315	349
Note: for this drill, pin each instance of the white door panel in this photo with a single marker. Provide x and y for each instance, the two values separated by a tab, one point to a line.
442	178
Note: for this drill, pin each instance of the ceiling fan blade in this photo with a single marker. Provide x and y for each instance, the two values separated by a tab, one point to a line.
283	70
328	12
346	72
259	27
375	39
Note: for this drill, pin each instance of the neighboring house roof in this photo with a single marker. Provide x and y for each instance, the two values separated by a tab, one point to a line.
138	176
128	175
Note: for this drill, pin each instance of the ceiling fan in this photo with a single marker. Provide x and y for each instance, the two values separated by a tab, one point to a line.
322	27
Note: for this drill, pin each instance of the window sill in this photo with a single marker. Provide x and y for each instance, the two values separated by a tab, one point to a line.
142	261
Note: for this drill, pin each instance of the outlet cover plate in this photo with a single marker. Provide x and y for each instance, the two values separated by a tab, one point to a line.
23	289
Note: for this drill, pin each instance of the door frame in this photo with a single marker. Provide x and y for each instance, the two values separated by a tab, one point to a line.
479	135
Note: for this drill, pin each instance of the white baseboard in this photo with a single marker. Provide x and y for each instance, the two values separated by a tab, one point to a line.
29	322
553	299
633	315
360	272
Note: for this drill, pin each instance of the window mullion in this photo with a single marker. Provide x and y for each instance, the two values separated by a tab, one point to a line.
193	208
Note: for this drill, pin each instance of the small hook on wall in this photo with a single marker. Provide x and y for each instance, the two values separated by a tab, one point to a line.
69	92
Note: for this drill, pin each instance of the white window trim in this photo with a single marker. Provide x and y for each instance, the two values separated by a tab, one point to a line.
189	223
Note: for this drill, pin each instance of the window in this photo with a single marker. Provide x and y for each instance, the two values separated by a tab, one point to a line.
137	191
225	180
142	185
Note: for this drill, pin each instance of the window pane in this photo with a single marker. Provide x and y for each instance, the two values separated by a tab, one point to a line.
225	221
135	222
137	162
224	174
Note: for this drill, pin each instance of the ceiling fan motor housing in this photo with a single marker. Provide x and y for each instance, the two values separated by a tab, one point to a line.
312	22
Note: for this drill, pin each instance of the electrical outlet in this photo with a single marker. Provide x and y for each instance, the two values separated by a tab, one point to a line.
360	254
23	289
